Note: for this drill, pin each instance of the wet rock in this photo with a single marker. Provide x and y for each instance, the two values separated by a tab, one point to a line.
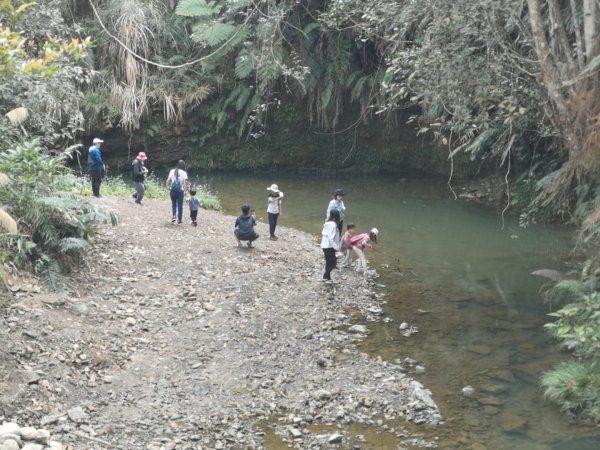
514	423
361	329
480	349
468	391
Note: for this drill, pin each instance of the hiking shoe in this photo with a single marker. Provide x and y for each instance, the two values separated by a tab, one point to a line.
134	195
249	244
173	219
195	224
273	238
139	203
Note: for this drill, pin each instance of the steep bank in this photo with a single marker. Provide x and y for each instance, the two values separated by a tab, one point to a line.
173	337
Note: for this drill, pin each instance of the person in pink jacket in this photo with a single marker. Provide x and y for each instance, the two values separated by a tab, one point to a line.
359	242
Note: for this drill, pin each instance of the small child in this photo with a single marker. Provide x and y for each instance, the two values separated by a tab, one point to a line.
361	241
194	206
347	245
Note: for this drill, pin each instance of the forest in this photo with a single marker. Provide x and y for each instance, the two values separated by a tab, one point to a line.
494	87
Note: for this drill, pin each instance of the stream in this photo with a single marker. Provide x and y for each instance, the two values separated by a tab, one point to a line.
460	277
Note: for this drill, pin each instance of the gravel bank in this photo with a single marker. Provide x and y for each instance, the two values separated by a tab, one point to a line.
172	337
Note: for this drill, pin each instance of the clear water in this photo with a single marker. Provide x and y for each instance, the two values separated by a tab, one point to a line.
463	279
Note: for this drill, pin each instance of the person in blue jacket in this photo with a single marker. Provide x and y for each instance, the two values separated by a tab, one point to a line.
96	166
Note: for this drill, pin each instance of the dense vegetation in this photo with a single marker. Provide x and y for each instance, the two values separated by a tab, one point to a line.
511	84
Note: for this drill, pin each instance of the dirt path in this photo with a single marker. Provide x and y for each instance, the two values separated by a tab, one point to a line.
173	337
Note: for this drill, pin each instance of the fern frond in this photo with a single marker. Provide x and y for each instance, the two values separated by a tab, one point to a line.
242	98
327	95
565	291
49	271
213	34
244	64
364	81
196	8
483	141
73	244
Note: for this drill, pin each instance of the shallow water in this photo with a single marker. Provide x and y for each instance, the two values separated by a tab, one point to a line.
461	277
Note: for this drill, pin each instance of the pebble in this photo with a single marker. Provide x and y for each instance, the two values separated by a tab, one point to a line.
15	437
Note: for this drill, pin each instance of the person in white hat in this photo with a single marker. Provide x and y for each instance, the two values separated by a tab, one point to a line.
96	166
359	242
273	208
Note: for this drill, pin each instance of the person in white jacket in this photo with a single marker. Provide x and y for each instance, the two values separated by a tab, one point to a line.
330	243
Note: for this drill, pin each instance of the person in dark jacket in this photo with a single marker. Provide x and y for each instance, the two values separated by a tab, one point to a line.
244	227
96	166
139	177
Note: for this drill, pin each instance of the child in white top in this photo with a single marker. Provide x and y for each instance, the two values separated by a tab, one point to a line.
273	208
330	243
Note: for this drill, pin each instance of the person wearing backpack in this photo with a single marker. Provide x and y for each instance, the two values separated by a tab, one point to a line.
138	174
177	185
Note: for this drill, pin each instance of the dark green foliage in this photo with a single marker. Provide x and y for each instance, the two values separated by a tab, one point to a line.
575	386
55	224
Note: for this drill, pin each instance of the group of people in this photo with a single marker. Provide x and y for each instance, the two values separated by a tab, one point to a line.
245	223
349	242
332	240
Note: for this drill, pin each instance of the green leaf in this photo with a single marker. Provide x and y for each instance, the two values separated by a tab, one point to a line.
213	34
326	95
311	27
196	8
242	99
592	65
244	64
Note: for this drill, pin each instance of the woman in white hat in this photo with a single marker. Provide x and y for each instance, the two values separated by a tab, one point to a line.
273	208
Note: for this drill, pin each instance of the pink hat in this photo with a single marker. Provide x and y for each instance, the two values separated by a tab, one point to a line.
142	156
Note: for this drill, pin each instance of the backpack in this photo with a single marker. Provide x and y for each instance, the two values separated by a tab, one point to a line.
176	183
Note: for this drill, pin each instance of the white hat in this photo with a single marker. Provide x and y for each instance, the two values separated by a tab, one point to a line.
375	231
97	141
273	188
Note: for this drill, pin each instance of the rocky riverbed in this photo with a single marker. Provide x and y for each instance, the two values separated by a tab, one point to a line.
172	337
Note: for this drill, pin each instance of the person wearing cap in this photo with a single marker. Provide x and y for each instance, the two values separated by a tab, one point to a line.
358	243
337	203
139	172
96	166
273	208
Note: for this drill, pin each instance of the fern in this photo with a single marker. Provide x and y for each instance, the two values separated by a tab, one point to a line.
73	245
196	8
565	291
364	81
242	98
244	64
327	95
212	34
49	271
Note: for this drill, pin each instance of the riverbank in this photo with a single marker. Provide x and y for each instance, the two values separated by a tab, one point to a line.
173	337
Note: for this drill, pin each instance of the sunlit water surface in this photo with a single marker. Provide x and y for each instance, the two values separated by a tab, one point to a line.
462	277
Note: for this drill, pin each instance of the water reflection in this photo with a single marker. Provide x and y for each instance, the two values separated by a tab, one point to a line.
452	272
